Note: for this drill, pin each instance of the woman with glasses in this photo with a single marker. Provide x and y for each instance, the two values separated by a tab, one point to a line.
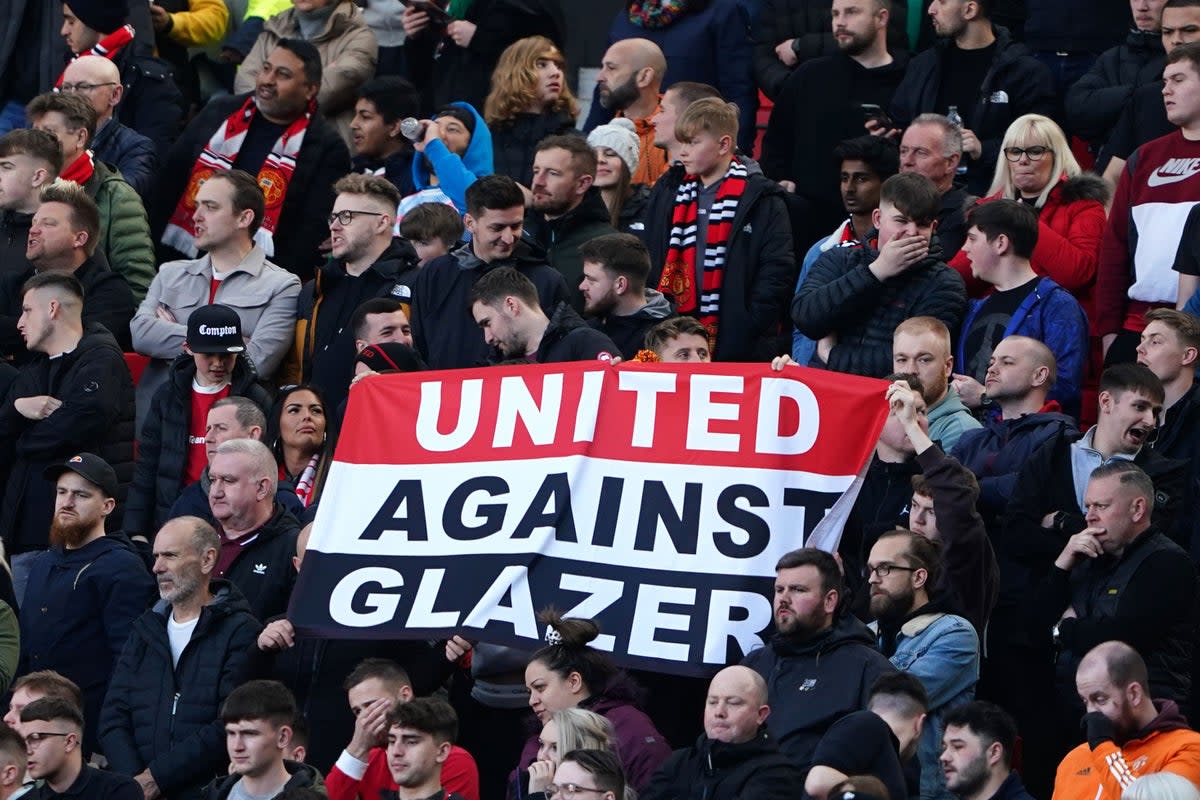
565	731
297	431
1039	169
568	673
590	774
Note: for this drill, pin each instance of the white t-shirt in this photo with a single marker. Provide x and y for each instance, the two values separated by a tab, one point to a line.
179	633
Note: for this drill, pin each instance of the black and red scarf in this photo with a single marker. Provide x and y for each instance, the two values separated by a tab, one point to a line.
679	271
108	47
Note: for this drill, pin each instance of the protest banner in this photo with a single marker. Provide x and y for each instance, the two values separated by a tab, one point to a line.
654	498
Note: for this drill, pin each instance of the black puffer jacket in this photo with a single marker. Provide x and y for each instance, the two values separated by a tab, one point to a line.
167	717
163	444
130	153
152	105
1094	102
632	217
514	142
569	338
714	770
263	570
841	295
760	267
808	22
812	684
628	331
96	416
14	234
1016	84
561	238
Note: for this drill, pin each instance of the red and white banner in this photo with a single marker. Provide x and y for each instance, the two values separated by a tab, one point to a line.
654	498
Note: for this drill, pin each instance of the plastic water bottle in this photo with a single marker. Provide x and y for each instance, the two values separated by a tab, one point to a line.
412	129
957	121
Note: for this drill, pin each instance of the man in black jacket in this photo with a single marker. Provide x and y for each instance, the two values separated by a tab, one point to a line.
171	445
1120	579
75	395
827	100
505	306
615	296
258	535
720	242
56	756
979	70
735	757
444	331
284	97
368	262
161	718
821	664
855	297
29	160
1170	348
63	235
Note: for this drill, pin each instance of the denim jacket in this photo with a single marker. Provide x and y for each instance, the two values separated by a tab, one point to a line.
943	651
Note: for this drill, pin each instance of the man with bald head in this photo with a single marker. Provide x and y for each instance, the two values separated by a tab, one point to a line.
629	83
98	81
735	757
1129	734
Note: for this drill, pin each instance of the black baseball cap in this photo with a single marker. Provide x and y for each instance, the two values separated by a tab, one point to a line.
90	467
215	329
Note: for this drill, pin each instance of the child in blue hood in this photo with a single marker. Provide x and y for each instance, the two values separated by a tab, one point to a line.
456	151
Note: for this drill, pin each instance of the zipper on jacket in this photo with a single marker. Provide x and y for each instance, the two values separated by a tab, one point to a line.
174	707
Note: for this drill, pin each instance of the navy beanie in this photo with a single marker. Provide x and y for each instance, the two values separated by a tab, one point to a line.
103	16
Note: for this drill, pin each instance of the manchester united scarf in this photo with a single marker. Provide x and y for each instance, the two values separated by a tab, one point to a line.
108	47
219	154
679	273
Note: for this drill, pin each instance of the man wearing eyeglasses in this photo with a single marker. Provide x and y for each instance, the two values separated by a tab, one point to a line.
368	261
97	80
53	732
919	637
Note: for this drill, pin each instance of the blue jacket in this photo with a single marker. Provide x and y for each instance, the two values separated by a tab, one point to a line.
79	606
130	153
456	173
942	650
1051	315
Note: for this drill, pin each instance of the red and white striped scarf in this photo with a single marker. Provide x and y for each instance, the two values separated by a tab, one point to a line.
679	271
219	154
108	47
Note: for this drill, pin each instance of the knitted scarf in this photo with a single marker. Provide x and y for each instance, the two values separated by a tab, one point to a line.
80	170
219	154
651	14
108	47
304	483
679	271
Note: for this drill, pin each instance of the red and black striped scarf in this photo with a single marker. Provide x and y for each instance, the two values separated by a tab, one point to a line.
679	271
108	47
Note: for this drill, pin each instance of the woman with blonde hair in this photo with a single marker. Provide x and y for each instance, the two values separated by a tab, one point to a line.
564	731
529	101
1037	167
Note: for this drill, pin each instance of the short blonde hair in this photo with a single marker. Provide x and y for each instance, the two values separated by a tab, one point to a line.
916	326
1036	128
709	114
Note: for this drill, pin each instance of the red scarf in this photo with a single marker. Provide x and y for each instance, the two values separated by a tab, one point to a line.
219	154
108	47
679	271
81	169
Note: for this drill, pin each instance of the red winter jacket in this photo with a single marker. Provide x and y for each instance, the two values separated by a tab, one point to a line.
351	780
1068	247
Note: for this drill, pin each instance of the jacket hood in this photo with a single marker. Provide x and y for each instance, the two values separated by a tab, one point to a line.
564	320
621	690
1169	719
846	629
657	306
92	550
96	337
398	258
1084	187
951	404
723	755
1144	41
591	209
304	776
477	159
345	15
526	252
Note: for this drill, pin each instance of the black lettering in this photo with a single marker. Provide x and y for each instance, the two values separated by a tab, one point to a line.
756	528
608	510
683	527
493	513
815	504
555	488
413	523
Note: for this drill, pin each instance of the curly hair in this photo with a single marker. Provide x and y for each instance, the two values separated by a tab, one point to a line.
515	81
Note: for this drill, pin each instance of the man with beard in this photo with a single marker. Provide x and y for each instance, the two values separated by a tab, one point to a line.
919	637
614	290
1128	733
977	753
567	210
978	69
420	736
921	346
505	306
85	591
1120	578
182	659
821	664
827	100
631	74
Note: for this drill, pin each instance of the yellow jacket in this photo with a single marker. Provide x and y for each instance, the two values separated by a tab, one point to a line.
202	25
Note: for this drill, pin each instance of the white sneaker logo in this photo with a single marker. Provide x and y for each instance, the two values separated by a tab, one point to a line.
260	569
1174	171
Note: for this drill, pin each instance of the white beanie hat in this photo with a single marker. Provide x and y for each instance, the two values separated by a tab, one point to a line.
621	137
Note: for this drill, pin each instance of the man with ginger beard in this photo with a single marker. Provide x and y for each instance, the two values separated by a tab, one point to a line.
85	591
821	664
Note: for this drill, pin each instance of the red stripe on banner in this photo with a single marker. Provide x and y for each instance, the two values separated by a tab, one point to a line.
706	414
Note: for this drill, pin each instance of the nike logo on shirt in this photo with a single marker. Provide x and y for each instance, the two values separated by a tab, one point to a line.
1174	171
